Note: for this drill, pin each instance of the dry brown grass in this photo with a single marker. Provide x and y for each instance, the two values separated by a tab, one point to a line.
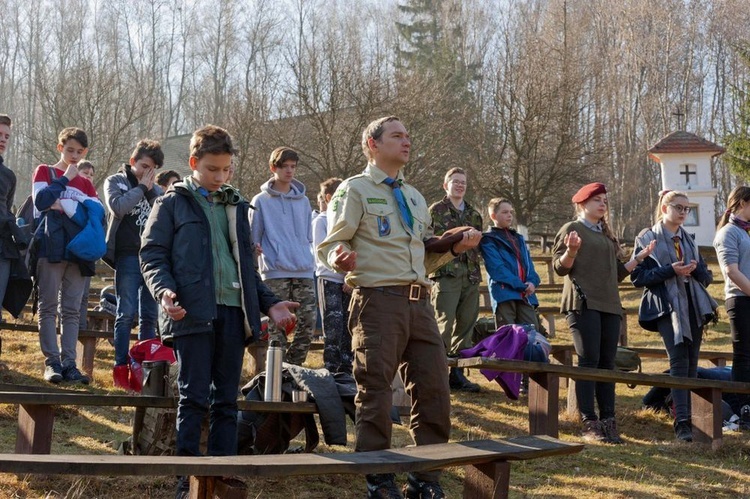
650	465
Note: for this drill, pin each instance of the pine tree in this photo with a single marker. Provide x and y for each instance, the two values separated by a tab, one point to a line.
738	142
432	39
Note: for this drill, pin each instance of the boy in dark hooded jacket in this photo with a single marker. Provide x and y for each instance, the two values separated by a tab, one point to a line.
197	258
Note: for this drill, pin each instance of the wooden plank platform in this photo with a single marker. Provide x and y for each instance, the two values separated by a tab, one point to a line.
487	463
416	458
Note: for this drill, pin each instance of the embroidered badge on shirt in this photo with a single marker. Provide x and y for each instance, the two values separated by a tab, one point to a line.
339	194
384	226
376	201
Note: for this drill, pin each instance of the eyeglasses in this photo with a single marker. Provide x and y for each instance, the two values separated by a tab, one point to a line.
457	182
680	209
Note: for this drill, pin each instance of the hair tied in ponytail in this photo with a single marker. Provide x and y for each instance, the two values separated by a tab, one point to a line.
664	192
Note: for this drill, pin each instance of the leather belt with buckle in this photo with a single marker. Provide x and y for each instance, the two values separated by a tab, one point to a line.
414	292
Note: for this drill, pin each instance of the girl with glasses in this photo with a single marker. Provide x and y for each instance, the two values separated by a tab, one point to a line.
675	302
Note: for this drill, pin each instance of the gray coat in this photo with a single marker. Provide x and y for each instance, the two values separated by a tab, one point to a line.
120	197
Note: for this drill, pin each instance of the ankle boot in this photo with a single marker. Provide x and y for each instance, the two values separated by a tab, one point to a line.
468	385
462	383
453	380
120	377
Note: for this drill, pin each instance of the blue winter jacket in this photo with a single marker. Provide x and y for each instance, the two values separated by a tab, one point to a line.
502	268
56	229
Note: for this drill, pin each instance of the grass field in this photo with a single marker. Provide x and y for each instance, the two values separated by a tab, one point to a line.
651	464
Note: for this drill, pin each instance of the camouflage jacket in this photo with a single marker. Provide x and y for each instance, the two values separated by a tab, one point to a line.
444	217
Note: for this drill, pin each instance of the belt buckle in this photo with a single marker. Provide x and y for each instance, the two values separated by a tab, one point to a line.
415	292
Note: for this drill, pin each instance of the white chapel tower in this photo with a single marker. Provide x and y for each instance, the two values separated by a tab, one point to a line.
685	161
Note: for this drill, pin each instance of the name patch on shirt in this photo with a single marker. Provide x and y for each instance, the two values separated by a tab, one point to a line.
384	226
376	201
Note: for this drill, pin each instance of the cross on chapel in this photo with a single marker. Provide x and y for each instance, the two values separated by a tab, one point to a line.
687	171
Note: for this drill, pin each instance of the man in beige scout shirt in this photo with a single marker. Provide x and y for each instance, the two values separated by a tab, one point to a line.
379	227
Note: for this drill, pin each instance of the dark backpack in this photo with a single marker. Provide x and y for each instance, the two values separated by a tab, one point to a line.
271	432
26	211
627	360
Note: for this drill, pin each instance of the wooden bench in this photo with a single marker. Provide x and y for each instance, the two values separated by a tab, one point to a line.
487	464
36	411
717	358
564	354
546	261
544	392
87	340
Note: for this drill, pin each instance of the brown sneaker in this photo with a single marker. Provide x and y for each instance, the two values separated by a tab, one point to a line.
611	435
593	431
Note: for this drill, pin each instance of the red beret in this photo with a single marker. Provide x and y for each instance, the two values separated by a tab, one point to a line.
588	191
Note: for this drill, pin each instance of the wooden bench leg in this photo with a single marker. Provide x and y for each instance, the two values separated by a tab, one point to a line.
85	353
202	487
550	273
550	320
34	435
707	417
544	397
564	357
572	407
256	361
487	481
209	487
719	361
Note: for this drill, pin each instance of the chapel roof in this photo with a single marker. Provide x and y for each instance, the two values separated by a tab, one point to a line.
683	142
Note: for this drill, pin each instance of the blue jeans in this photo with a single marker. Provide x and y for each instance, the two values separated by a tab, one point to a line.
209	379
133	298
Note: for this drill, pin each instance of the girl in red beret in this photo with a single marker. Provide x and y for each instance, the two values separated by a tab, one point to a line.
675	302
588	255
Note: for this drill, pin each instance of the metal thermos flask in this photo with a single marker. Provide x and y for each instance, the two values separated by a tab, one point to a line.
274	361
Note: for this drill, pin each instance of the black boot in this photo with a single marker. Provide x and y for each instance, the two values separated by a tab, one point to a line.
182	491
453	380
382	486
418	489
458	381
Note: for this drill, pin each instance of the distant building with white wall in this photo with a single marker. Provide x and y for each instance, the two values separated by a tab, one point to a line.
685	161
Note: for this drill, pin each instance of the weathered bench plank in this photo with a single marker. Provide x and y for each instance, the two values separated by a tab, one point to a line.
415	458
487	462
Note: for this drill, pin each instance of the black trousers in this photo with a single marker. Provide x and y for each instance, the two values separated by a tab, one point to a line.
595	337
738	310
